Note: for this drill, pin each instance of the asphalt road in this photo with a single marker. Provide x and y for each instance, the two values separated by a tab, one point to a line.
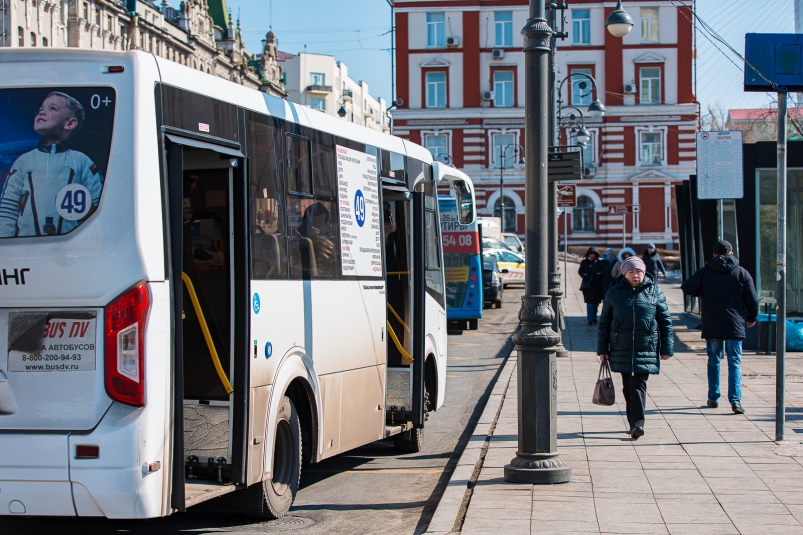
368	490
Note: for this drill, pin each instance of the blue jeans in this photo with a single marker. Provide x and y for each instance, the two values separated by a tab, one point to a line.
734	350
591	311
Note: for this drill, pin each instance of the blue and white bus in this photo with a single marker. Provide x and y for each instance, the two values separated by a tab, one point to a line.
462	266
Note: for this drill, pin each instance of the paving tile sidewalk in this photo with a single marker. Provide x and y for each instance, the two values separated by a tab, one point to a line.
697	470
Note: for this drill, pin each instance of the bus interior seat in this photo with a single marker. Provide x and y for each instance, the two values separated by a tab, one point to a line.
266	255
309	266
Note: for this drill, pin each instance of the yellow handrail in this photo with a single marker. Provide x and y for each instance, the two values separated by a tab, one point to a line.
398	272
208	337
393	337
395	315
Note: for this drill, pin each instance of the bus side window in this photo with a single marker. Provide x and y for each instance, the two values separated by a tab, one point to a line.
434	276
312	206
266	205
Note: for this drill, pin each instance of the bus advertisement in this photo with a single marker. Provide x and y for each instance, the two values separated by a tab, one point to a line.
462	266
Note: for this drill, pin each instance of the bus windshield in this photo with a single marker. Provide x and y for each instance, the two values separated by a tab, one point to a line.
54	151
461	255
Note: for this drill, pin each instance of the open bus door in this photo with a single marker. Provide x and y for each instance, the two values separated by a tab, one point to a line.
208	271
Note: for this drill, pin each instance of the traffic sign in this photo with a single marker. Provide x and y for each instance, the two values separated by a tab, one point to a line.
567	195
564	166
719	165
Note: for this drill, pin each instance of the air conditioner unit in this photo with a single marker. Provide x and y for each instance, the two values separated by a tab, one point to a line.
631	89
452	41
498	53
589	171
488	95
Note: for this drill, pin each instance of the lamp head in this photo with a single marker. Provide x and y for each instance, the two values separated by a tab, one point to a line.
596	109
619	22
342	111
583	136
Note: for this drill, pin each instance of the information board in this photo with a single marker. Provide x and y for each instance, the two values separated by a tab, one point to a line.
567	195
360	231
719	165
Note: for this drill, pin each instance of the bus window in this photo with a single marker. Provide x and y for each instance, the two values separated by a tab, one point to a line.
54	151
392	166
299	172
266	205
433	239
197	113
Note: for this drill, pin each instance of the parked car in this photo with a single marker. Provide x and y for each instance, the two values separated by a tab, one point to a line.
511	264
491	282
493	243
513	242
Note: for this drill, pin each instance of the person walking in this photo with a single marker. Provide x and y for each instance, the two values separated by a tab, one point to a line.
728	299
608	260
634	329
616	270
652	260
592	270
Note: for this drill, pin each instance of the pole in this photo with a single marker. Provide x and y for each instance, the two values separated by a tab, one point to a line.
502	189
720	225
554	275
565	253
624	231
780	310
537	459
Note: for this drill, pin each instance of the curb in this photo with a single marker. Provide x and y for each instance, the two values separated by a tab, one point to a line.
451	503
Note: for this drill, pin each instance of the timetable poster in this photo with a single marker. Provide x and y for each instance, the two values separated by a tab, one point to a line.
358	196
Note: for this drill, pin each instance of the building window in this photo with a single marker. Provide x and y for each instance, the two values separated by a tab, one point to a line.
20	34
649	24
509	218
109	23
581	88
504	95
650	148
317	78
436	30
86	11
581	26
505	152
583	215
44	41
438	145
97	17
503	29
317	104
588	150
650	92
436	89
33	39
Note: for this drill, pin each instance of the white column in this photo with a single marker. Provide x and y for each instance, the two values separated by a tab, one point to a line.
668	209
636	216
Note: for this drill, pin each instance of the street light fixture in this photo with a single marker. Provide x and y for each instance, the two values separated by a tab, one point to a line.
619	22
596	109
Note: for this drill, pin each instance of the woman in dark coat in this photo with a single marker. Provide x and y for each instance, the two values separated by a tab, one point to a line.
592	270
634	329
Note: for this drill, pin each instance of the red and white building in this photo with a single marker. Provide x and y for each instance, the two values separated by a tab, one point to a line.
459	75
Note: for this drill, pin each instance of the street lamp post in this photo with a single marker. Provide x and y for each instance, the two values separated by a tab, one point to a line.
503	155
537	459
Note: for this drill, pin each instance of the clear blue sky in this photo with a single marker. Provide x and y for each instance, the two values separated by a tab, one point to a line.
356	32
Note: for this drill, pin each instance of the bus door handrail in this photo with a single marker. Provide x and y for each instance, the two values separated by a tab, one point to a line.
398	345
396	315
207	336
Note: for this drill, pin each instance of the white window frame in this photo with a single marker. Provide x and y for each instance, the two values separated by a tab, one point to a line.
426	135
315	100
663	130
436	30
427	84
650	24
314	75
577	100
591	146
641	81
581	28
503	30
502	102
492	149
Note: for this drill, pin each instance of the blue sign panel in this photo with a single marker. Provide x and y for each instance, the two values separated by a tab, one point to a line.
774	62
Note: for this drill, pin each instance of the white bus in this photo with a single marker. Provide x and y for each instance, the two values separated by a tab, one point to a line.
203	288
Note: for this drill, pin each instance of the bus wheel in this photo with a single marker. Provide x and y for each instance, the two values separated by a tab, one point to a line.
473	325
281	489
412	441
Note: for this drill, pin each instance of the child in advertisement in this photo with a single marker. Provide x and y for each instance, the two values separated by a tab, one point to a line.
52	188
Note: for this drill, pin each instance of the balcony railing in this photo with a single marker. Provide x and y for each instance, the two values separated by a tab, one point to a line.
319	89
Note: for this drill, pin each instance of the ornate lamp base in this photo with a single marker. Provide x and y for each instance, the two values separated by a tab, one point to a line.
538	469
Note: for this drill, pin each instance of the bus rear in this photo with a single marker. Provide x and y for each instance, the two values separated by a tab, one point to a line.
462	266
82	287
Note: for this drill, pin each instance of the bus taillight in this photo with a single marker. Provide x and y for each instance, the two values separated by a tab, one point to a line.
124	347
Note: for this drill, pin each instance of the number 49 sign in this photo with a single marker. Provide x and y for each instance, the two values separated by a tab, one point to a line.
73	202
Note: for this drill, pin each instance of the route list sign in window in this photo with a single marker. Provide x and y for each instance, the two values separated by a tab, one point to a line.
358	197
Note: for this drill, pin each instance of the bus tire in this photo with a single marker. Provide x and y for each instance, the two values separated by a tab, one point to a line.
473	325
281	489
412	440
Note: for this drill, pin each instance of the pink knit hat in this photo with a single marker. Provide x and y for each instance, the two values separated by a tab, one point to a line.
633	262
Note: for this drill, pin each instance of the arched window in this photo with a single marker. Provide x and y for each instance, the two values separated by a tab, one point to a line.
33	39
21	36
509	220
583	215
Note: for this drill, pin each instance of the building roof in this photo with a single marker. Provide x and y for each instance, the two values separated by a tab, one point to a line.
753	114
219	13
283	55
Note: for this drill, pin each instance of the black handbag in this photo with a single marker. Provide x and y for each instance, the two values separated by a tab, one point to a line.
585	285
604	394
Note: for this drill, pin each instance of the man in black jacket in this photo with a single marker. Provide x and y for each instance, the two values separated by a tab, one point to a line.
652	261
728	299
